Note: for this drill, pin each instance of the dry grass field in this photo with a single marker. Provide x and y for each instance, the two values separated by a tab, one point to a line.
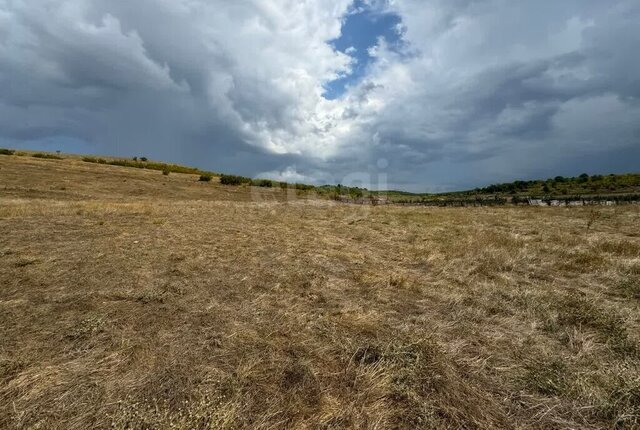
133	300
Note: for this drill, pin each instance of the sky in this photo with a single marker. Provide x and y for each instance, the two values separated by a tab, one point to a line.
418	95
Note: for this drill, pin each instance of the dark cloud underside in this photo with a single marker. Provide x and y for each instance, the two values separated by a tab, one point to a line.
452	93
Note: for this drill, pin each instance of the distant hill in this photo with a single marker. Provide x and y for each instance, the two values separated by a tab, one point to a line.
583	184
559	187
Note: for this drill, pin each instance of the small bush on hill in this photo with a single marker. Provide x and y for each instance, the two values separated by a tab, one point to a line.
46	156
234	180
143	159
4	151
166	172
205	178
94	160
174	168
303	187
265	183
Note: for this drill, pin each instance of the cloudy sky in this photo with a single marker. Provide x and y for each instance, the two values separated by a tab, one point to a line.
431	94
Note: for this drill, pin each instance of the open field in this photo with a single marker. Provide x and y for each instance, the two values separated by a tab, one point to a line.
129	299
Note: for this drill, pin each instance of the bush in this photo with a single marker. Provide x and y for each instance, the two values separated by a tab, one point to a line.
143	159
356	193
303	187
166	172
4	151
234	180
265	183
205	178
173	168
94	160
46	156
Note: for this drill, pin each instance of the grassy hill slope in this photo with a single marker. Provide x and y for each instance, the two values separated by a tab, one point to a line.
560	187
130	299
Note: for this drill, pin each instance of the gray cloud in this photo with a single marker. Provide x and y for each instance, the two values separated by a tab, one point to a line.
485	91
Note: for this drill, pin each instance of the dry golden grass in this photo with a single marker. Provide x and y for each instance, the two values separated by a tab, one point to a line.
133	300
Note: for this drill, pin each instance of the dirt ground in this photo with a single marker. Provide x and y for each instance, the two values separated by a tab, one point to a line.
133	300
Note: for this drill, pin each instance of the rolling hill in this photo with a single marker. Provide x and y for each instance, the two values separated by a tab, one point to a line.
133	299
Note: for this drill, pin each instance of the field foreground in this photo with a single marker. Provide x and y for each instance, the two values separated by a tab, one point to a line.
129	299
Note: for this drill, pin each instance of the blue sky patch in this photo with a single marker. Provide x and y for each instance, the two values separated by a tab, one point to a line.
361	28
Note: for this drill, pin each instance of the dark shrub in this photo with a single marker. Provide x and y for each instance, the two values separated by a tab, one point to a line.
205	178
166	172
356	193
303	187
94	160
265	183
143	159
4	151
46	156
174	168
234	180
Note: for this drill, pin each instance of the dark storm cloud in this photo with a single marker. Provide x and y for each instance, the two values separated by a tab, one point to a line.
479	91
559	91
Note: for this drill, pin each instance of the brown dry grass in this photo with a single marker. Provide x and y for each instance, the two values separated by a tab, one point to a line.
133	300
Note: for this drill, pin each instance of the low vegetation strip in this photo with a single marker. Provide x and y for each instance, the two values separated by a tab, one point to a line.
590	200
583	184
234	180
46	156
174	168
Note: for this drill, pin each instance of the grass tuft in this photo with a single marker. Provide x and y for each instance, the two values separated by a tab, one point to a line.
547	377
